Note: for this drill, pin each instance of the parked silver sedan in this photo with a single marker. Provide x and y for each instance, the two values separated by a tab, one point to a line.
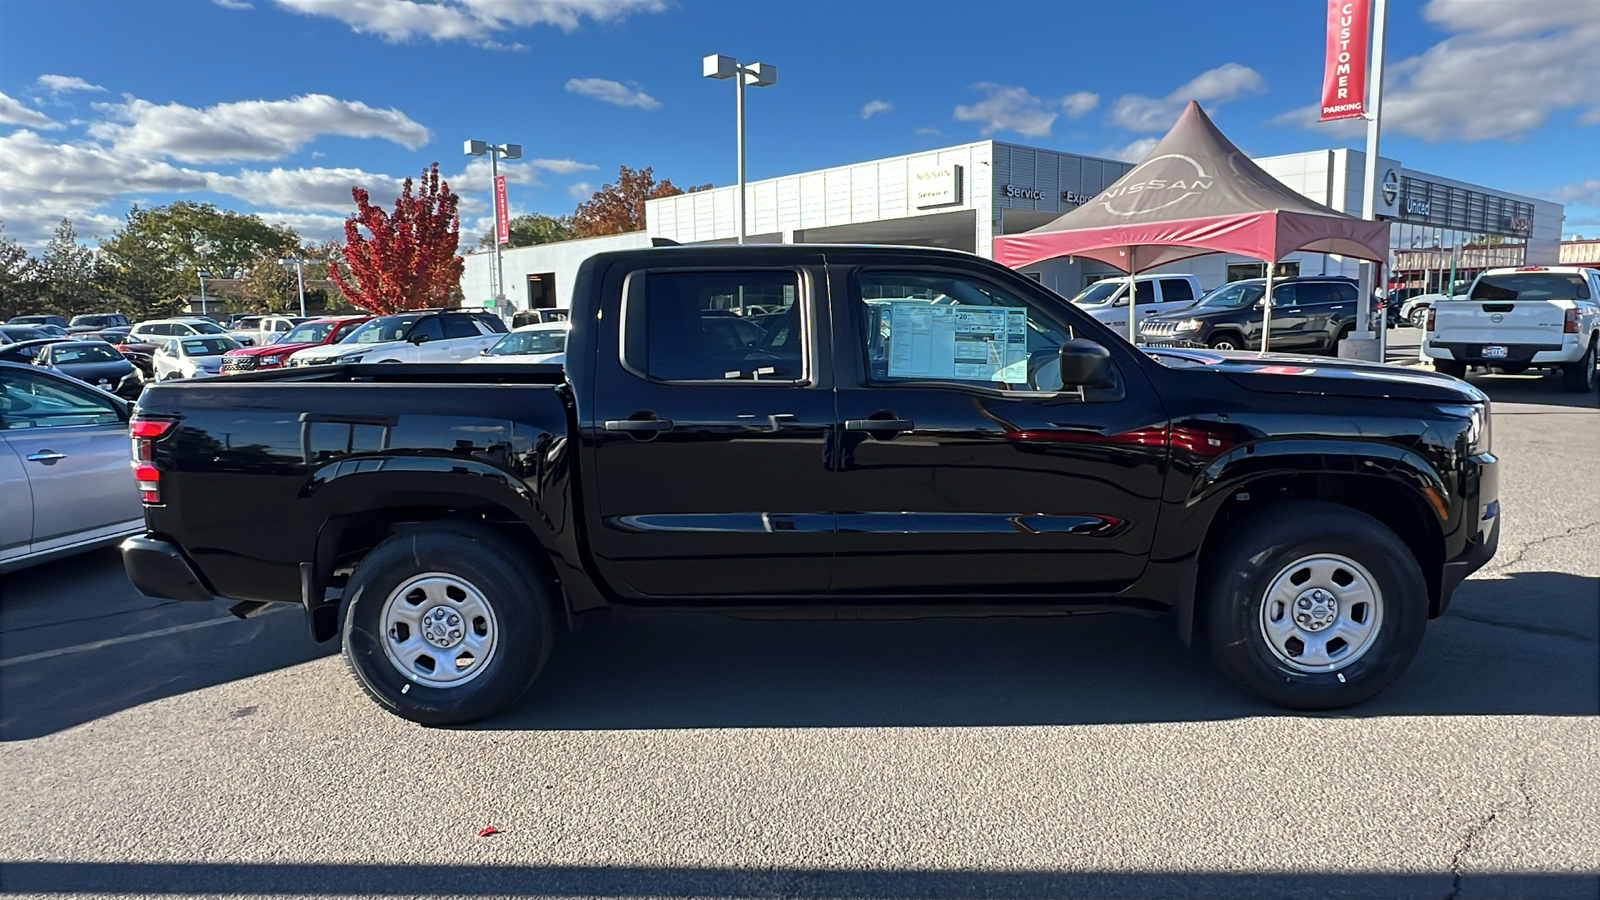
65	482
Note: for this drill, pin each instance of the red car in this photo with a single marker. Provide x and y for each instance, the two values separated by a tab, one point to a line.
275	355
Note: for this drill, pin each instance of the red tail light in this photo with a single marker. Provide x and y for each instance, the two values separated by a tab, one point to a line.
145	434
1570	324
1431	313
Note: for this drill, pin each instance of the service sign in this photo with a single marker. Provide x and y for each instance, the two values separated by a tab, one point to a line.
935	185
1344	78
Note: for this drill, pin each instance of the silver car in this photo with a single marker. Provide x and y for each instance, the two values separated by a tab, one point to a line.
192	357
65	482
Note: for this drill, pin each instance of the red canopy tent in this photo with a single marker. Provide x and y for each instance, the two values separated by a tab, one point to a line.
1195	193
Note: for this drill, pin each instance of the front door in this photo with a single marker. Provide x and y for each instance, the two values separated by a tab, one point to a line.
965	468
710	426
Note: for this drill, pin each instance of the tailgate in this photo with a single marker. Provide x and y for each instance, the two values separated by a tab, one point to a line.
1498	322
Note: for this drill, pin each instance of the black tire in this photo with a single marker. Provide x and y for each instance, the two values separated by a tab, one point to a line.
1274	544
1418	317
519	598
1452	367
1579	377
1344	332
1226	341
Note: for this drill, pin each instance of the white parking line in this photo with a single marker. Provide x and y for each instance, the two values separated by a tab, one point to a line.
127	638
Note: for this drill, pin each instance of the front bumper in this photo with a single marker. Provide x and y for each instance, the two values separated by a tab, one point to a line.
159	569
1483	504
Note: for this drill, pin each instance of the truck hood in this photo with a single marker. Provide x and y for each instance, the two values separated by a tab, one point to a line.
1318	375
270	349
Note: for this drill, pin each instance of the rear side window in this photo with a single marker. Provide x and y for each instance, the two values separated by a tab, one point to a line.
1176	290
1308	293
722	326
460	327
1531	286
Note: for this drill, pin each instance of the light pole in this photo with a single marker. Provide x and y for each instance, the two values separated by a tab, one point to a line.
495	152
300	277
203	275
757	74
1369	271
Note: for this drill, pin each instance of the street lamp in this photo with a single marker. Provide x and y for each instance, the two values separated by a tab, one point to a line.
495	153
300	276
757	74
203	274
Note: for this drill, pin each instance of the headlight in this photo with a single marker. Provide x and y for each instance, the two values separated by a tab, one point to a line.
1188	325
272	360
350	357
1479	433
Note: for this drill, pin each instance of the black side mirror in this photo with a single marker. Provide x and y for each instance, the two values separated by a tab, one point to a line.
1085	363
419	339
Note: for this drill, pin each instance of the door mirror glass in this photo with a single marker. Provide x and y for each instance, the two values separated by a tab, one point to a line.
1085	363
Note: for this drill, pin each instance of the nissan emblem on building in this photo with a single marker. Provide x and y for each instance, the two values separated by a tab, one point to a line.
1391	187
1157	183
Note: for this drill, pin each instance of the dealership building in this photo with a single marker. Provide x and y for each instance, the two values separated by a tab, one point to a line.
962	197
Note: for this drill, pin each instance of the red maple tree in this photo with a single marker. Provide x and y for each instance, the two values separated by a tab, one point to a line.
410	260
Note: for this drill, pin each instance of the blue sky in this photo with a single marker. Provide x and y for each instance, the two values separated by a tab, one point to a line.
276	106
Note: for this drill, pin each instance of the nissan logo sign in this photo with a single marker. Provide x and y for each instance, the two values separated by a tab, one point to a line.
1157	183
1391	187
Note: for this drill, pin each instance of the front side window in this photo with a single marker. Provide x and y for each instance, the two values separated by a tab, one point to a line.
460	327
34	400
956	328
429	328
723	326
382	330
1238	295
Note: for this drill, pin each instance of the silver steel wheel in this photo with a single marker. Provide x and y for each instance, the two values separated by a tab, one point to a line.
1321	613
1223	344
438	630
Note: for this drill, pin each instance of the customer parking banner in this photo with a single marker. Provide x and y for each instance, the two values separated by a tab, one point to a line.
1344	79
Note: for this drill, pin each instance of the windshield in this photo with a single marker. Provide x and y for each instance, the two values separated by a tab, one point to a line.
531	343
382	330
1099	292
1237	295
208	346
83	353
1531	286
309	333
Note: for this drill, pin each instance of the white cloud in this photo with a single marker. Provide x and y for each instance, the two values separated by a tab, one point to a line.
1008	108
1586	192
581	190
612	92
475	177
1505	70
1132	152
61	84
561	166
1213	87
875	107
13	112
305	189
249	129
466	20
233	4
927	131
1310	118
312	227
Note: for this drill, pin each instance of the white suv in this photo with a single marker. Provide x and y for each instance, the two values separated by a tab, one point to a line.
1106	300
158	331
414	336
1513	320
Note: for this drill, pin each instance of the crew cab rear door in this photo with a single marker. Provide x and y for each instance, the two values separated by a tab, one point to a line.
708	429
964	468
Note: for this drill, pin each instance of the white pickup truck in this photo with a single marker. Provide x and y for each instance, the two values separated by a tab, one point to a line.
1513	320
1107	299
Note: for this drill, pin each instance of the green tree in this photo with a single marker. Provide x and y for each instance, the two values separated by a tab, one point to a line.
141	270
20	286
198	236
619	208
70	273
270	286
538	228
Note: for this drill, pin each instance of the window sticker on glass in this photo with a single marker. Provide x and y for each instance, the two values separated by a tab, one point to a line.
961	342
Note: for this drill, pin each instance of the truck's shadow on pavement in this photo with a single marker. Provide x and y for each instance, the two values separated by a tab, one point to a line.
1503	649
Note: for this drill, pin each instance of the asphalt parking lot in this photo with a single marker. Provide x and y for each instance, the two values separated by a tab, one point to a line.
166	749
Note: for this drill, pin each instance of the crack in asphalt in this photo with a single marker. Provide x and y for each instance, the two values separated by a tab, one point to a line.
1523	627
1478	827
1523	550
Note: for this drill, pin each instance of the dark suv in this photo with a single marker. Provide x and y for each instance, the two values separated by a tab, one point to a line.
1309	315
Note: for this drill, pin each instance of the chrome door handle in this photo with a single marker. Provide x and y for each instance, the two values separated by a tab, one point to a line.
48	457
638	424
879	425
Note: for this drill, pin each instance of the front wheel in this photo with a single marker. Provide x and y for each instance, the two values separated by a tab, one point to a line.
1580	376
1313	605
1419	317
446	624
1225	342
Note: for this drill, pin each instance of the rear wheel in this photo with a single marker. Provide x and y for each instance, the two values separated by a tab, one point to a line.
1313	605
1580	376
1344	332
1453	368
446	624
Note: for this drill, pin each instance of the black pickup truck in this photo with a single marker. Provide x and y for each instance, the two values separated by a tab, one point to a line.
822	431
